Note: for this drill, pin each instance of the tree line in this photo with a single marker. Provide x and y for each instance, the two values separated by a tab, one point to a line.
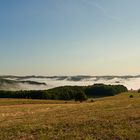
77	93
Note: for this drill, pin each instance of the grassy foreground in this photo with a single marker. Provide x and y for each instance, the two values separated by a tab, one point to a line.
109	118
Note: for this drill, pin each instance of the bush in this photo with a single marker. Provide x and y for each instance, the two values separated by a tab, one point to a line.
139	91
91	100
80	96
131	96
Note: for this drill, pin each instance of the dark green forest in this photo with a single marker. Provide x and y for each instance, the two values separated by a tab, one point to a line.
77	93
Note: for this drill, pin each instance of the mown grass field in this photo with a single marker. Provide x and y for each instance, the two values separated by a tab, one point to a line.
109	118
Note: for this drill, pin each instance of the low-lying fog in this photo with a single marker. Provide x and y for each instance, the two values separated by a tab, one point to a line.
131	83
51	82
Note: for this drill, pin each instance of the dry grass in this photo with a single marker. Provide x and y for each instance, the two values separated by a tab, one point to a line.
110	118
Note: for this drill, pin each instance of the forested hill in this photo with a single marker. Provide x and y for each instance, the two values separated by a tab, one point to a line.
67	92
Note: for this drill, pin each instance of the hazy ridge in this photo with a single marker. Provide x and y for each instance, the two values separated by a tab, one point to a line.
10	82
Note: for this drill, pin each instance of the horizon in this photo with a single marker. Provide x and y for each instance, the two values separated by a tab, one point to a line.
71	75
27	82
70	37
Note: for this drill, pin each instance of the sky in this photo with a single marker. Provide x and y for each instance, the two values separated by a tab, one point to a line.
69	37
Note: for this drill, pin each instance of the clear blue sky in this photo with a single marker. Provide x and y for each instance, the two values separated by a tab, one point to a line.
69	37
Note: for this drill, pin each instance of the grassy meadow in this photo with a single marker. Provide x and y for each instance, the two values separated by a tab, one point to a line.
109	118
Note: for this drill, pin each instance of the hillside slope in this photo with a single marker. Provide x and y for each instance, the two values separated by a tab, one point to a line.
115	118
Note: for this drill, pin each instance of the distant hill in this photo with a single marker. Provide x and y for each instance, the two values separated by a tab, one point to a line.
69	78
33	82
6	84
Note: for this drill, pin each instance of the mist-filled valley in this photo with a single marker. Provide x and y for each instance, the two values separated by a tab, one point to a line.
48	82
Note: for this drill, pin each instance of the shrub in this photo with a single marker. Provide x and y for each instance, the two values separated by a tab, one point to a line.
92	100
131	96
80	96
